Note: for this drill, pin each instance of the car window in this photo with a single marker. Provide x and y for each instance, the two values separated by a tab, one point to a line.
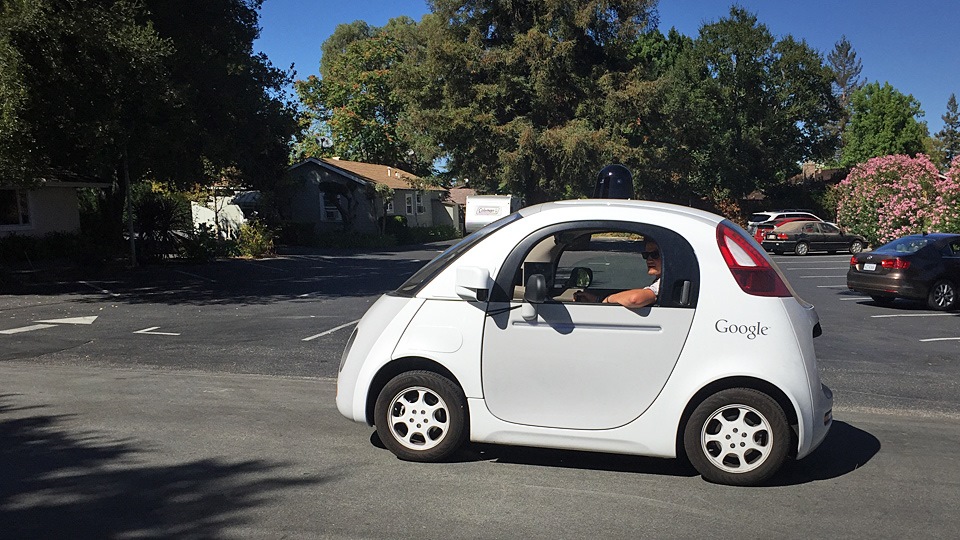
955	247
827	228
810	228
758	218
905	245
609	253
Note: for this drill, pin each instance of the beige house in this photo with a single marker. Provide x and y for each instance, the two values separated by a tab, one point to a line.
47	208
336	194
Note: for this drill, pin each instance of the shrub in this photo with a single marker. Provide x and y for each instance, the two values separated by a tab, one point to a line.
203	244
893	196
255	240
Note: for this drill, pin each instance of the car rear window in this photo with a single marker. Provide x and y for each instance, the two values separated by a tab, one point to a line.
906	245
757	218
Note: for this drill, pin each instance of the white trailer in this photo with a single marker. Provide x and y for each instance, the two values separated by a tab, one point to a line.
484	209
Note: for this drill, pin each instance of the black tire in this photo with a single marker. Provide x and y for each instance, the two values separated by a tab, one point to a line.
802	248
421	416
754	426
856	247
942	296
883	300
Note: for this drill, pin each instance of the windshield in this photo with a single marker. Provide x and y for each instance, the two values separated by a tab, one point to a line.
906	245
423	276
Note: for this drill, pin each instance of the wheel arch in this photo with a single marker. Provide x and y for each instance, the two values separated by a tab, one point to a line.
727	383
395	367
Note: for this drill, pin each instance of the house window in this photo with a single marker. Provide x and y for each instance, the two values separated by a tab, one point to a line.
409	199
420	208
14	208
330	211
390	206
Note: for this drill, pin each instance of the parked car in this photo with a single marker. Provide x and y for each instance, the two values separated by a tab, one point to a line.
763	228
487	343
774	215
920	266
802	237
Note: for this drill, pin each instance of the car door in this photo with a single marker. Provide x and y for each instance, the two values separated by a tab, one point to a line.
585	365
832	238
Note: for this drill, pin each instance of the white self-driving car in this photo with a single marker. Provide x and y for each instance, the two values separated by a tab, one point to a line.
487	343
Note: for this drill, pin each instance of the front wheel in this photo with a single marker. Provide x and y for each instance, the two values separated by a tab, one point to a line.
738	437
421	416
943	295
856	246
802	248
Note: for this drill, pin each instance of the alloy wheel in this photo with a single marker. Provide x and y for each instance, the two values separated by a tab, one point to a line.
418	418
737	438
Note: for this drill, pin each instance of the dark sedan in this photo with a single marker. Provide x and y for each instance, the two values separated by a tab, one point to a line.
802	237
920	267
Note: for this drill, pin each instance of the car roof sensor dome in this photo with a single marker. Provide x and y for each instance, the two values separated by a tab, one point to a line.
614	182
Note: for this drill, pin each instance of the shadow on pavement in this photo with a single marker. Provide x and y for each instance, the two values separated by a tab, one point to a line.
846	449
58	484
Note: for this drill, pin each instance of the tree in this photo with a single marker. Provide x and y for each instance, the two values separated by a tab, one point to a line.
742	109
846	68
948	138
512	94
883	121
355	101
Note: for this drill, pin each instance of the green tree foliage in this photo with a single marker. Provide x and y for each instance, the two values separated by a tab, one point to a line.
883	121
172	84
740	109
514	94
846	68
73	75
948	138
355	100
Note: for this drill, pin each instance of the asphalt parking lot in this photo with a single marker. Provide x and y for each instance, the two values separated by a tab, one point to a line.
197	400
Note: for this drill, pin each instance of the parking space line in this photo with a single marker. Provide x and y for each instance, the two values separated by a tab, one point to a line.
196	276
810	277
831	286
818	268
940	339
151	332
913	315
98	289
330	331
854	298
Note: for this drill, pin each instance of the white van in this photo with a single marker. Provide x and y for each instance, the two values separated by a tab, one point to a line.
485	209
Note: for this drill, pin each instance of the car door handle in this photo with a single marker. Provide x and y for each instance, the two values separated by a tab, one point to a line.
685	293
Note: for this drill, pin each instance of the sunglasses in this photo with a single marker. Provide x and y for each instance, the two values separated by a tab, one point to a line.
655	254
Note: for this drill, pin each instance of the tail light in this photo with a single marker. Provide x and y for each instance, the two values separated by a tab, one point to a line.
749	267
782	236
853	260
895	264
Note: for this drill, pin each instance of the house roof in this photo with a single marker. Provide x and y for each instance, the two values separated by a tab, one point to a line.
370	172
459	194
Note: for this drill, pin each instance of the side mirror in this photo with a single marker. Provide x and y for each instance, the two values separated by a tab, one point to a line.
580	277
473	283
535	293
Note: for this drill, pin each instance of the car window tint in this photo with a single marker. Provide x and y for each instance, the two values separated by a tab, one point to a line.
905	245
826	228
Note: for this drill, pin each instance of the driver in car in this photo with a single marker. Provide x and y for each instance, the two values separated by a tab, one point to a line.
633	298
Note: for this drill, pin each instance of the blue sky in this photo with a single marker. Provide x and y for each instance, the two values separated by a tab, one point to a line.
912	45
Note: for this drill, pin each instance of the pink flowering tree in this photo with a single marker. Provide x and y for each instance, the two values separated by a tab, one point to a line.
892	196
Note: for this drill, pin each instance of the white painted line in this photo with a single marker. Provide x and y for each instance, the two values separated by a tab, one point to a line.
72	320
816	268
330	331
26	328
196	276
940	339
810	277
98	289
856	298
831	286
913	315
151	332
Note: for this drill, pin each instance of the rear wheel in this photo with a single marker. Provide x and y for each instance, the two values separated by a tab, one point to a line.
943	295
421	416
738	436
856	246
802	248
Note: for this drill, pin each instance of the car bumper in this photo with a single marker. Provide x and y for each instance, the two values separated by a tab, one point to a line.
822	421
885	285
779	246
